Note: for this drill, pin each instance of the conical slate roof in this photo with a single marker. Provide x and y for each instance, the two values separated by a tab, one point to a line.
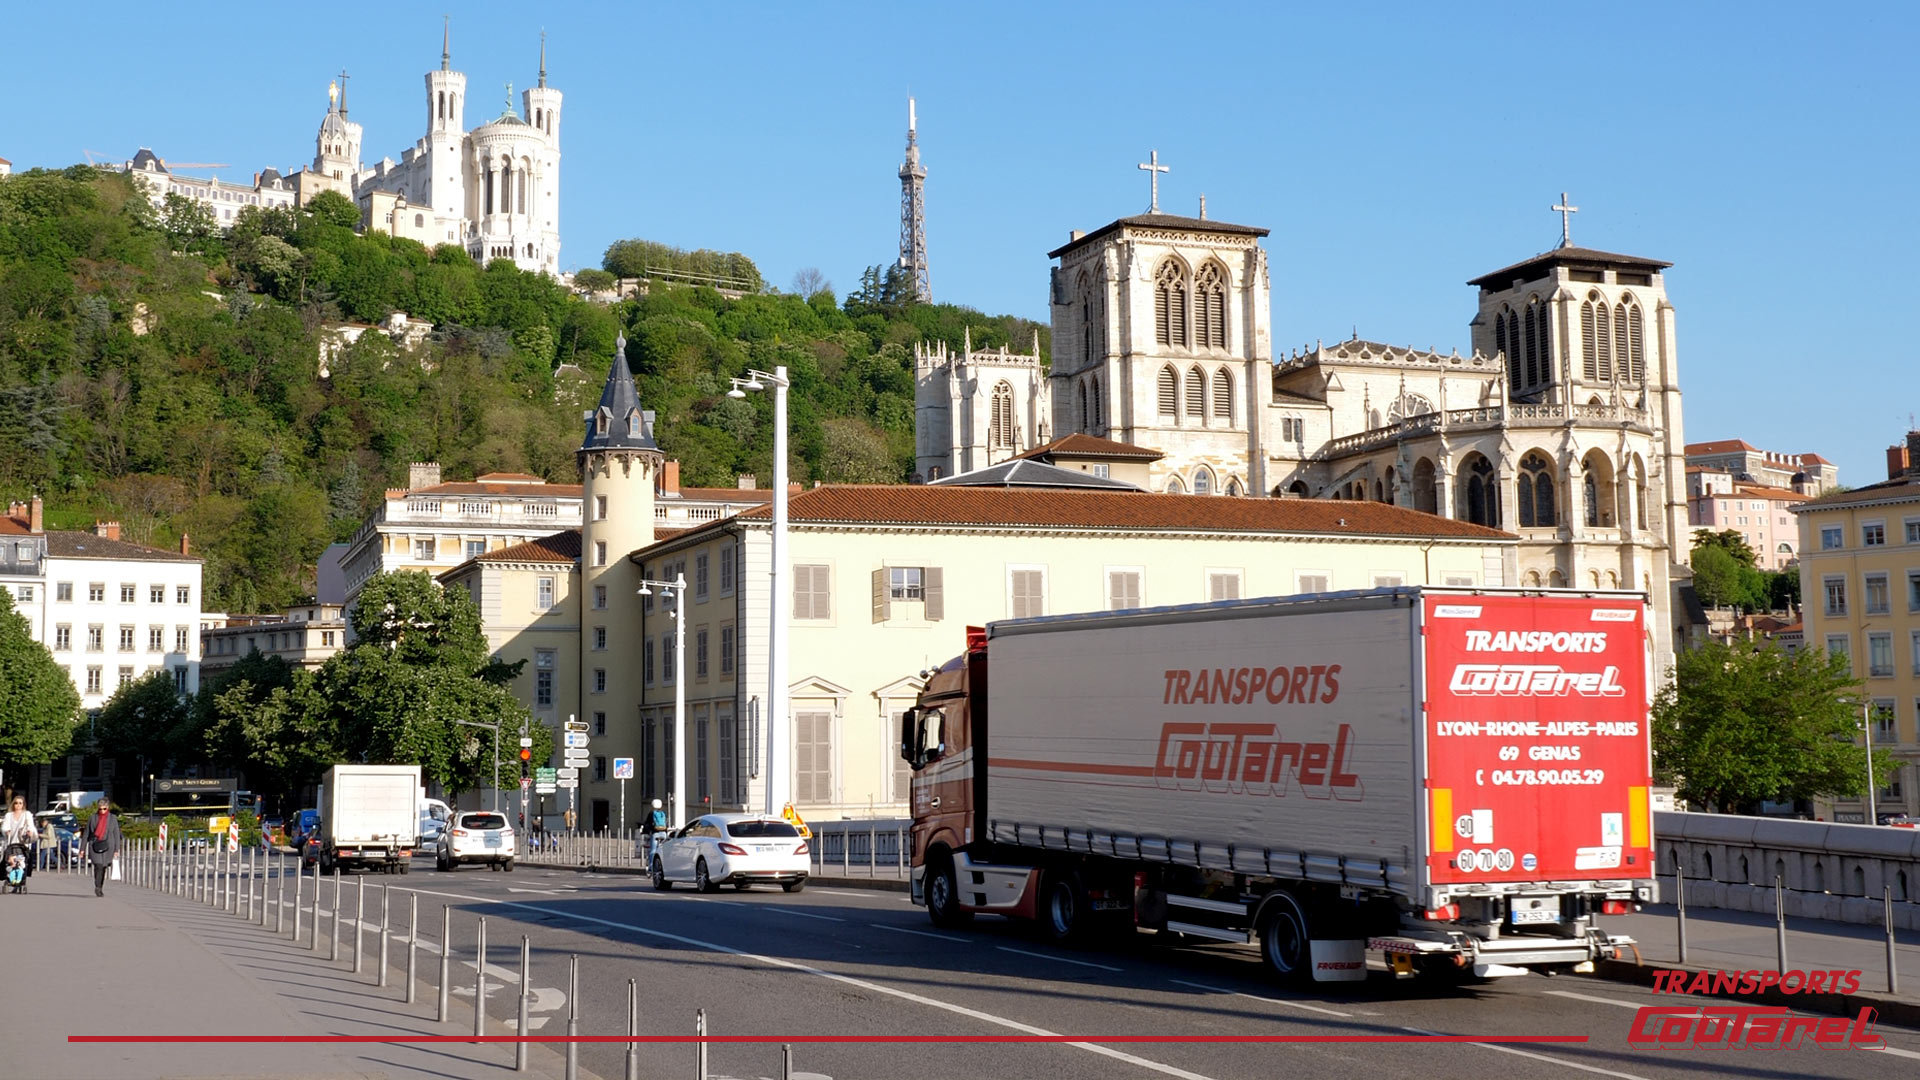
619	423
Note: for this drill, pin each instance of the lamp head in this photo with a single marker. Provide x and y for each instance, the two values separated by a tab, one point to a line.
756	384
736	392
644	591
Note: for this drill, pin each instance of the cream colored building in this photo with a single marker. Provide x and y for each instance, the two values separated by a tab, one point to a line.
1860	583
305	636
1099	457
885	580
528	599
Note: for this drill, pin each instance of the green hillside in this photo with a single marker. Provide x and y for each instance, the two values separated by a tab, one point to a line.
164	372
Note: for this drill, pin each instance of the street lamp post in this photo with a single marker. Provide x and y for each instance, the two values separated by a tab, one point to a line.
778	769
677	589
496	757
1866	729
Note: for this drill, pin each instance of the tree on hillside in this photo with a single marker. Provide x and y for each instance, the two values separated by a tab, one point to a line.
808	280
38	703
136	724
335	209
1730	541
1747	722
1724	574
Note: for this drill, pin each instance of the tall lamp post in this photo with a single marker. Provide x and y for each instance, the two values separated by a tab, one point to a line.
1866	729
677	589
778	769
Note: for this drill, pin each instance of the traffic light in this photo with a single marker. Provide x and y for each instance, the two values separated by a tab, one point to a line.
526	756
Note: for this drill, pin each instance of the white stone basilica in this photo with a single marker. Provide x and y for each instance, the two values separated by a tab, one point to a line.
494	190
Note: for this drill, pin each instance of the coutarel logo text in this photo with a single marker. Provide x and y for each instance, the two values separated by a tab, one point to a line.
1253	759
1750	1025
1533	680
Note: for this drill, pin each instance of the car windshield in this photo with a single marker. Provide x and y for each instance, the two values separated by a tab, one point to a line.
482	821
761	828
60	820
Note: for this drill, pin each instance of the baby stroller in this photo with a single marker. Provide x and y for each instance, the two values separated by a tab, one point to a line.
15	861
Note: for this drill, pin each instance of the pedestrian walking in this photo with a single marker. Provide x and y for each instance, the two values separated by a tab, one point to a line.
102	839
19	828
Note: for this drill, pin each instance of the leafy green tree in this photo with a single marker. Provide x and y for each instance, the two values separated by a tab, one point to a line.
1728	540
593	280
38	703
1747	722
136	724
333	208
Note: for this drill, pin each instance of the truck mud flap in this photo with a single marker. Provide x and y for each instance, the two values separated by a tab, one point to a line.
1339	960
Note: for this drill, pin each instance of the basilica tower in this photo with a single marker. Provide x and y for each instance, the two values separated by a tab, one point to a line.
541	107
439	184
336	151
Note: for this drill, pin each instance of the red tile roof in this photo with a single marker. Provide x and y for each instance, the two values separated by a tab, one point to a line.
1757	491
1813	459
1723	446
12	526
1080	444
477	487
510	478
723	494
919	504
560	547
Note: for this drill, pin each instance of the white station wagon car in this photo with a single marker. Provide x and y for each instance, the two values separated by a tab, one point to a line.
733	849
476	836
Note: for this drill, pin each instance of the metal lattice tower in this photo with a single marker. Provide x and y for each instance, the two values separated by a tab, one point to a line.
913	214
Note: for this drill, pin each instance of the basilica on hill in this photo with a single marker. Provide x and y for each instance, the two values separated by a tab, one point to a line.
1560	421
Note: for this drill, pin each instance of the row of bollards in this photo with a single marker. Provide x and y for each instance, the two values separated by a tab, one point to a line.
1780	926
247	884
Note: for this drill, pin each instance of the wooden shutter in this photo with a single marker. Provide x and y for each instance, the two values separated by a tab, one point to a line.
1223	395
1029	594
803	592
1169	392
1196	393
882	598
930	579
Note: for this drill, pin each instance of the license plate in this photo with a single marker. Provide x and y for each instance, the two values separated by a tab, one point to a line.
1535	916
765	849
493	841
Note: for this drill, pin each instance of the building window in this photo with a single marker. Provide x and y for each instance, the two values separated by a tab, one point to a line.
599	508
1840	645
646	658
700	653
1913	537
1101	471
126	639
1223	585
1170	305
93	680
1830	538
726	650
126	676
179	680
670	660
1311	581
1223	396
1168	385
599	553
96	638
1877	599
127	591
599	680
156	639
905	583
63	592
599	723
1536	486
599	598
729	758
1196	394
1123	589
726	570
1913	590
1880	655
23	592
1885	730
62	638
700	576
543	665
543	593
1210	306
812	596
702	789
599	638
96	593
1026	592
182	594
1873	534
813	757
476	548
423	550
599	768
1836	594
156	594
1000	420
1389	581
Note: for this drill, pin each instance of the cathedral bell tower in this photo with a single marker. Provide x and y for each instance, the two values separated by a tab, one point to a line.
618	463
541	106
441	186
336	150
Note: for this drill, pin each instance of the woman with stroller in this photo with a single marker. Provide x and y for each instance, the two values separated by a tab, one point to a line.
18	828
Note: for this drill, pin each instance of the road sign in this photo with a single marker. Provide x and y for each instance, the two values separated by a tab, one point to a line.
576	725
575	758
543	789
543	775
576	738
568	784
233	836
623	768
569	774
524	741
526	782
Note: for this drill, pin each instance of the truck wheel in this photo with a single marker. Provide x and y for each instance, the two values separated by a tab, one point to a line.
1284	940
1064	916
943	894
407	866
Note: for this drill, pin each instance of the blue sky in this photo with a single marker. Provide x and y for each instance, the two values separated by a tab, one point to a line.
1768	151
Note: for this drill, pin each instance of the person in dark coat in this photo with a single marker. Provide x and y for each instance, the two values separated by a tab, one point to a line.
100	843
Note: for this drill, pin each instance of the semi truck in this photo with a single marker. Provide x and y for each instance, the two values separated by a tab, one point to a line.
369	817
1446	782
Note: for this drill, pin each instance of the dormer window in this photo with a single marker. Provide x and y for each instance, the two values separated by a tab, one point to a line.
634	424
600	422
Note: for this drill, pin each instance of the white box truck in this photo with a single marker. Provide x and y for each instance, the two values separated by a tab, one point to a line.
1455	782
369	817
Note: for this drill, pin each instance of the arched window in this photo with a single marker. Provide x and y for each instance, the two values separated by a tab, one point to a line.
1622	345
1536	492
1596	338
1604	316
443	105
1196	393
1555	579
1000	426
1169	385
1233	489
1597	485
1175	487
1086	417
1098	423
1170	305
1086	320
1425	496
1536	332
1203	481
1223	395
1633	357
1479	500
1210	306
419	220
1506	339
1591	491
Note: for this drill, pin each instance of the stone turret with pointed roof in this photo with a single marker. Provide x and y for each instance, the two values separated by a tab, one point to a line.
618	423
619	462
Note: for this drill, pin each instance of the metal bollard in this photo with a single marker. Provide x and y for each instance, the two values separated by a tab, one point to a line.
246	911
233	882
633	1028
1893	975
1680	908
413	938
359	921
480	981
446	951
1780	921
700	1047
313	933
333	939
280	894
520	1015
573	1017
786	1061
386	898
299	887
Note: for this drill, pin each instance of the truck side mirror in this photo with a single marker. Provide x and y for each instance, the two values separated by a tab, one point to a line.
909	751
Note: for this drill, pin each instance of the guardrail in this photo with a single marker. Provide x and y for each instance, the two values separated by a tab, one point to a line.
874	848
1840	873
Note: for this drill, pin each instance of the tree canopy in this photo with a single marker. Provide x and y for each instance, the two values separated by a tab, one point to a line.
1748	722
1725	574
38	703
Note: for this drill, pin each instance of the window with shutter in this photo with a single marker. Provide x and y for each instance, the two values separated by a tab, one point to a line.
1170	304
1603	317
882	596
1210	306
1635	357
813	757
1311	581
1223	584
1196	393
811	597
1123	589
1223	395
1535	333
934	585
1169	392
1027	590
1589	340
902	772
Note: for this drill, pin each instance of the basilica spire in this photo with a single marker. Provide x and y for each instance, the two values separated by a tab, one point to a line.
543	59
446	43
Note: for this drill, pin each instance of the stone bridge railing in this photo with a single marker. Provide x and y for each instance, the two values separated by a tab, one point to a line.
1829	871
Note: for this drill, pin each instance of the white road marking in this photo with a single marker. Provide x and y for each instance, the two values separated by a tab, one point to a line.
1594	998
841	892
1891	1050
1271	1001
1562	1062
554	892
918	933
904	995
764	907
1057	959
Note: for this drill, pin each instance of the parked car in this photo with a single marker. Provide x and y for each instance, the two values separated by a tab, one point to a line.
65	829
476	836
741	850
305	836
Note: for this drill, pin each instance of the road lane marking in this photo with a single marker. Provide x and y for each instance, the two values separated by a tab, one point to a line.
919	933
1056	959
864	984
1562	1062
765	907
1271	1001
1891	1050
1593	998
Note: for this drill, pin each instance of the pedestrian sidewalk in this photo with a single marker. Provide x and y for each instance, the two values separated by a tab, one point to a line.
139	962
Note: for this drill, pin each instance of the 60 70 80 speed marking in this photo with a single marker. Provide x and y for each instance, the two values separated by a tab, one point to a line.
1562	777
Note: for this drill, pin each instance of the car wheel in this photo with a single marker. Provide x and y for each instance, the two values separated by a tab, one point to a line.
943	894
701	881
660	881
794	886
507	866
1284	938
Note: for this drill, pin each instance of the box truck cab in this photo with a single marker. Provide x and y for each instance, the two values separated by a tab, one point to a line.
1452	781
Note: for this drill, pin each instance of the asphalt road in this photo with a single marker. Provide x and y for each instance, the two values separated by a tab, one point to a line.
846	962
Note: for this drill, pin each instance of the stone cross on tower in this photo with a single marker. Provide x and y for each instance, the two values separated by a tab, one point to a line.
342	103
1154	169
1566	213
